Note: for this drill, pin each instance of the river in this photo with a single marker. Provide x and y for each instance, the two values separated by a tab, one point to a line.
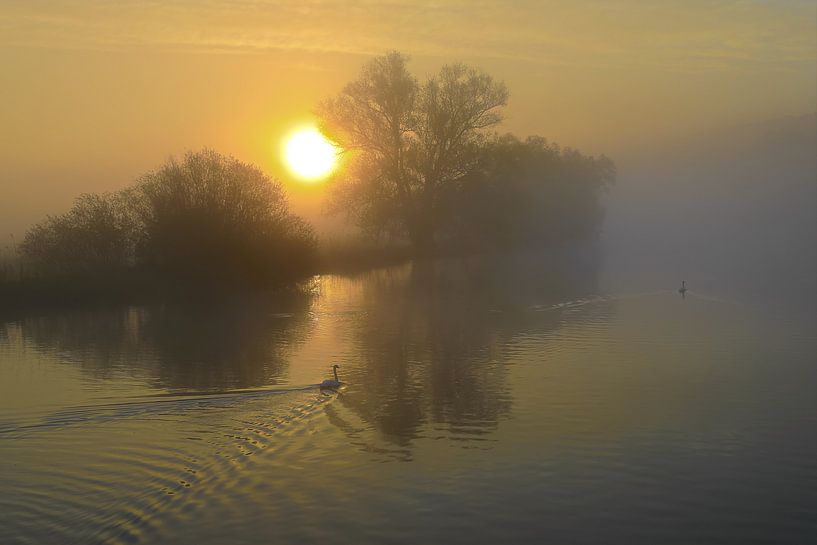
515	400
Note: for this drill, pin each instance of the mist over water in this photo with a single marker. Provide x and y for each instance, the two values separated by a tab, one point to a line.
567	395
486	401
428	272
733	213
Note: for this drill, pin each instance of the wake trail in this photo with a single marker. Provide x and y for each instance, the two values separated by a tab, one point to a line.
160	404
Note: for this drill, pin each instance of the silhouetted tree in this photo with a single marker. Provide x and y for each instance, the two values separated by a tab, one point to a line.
213	217
97	235
207	217
526	192
409	141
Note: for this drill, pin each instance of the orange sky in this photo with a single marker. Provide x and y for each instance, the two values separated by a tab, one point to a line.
95	93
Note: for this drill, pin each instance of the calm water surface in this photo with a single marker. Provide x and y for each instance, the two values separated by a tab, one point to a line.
518	403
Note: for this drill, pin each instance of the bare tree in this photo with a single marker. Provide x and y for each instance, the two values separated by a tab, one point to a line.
408	140
207	217
210	216
96	235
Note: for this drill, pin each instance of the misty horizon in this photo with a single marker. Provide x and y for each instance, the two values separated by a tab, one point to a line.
410	272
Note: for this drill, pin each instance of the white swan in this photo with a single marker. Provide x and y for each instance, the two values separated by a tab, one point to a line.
329	383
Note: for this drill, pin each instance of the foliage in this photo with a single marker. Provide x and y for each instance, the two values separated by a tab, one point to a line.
208	217
96	235
211	216
422	166
409	140
526	192
10	266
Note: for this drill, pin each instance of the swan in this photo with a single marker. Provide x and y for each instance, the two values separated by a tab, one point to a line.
683	288
329	383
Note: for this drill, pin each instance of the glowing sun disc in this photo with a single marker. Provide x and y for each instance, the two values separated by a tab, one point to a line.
310	155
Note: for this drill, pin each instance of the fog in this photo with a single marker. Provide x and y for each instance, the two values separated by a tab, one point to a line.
732	211
408	271
95	96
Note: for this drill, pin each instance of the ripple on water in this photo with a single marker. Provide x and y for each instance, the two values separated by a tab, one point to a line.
637	419
128	470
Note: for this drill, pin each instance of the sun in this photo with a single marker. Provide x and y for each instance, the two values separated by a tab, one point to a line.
309	155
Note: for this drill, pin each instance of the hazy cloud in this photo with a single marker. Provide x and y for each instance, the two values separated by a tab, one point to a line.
685	36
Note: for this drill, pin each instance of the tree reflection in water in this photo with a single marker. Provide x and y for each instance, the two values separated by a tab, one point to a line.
425	347
240	342
430	342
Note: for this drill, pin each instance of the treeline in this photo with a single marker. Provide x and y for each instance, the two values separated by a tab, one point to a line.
207	219
424	165
522	194
423	174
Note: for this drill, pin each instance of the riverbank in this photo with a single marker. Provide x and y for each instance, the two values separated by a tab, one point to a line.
143	285
20	292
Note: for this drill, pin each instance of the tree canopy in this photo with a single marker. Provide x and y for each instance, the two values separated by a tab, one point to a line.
424	164
96	235
526	192
214	216
207	217
408	141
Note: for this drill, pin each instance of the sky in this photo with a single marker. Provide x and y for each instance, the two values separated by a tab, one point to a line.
96	93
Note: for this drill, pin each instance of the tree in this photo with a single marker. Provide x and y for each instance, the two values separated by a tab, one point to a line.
97	235
526	192
211	216
205	218
409	141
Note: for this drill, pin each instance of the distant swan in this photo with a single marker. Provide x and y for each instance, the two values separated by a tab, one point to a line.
683	288
328	383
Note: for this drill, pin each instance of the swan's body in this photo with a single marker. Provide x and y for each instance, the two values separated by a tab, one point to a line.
329	383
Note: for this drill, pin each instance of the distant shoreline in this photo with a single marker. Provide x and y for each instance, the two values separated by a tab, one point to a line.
140	286
134	286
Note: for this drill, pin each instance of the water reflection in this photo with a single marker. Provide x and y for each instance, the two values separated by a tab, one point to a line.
425	347
429	347
242	342
239	345
502	382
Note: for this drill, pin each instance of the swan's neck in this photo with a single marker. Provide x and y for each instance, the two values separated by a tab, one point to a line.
335	371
